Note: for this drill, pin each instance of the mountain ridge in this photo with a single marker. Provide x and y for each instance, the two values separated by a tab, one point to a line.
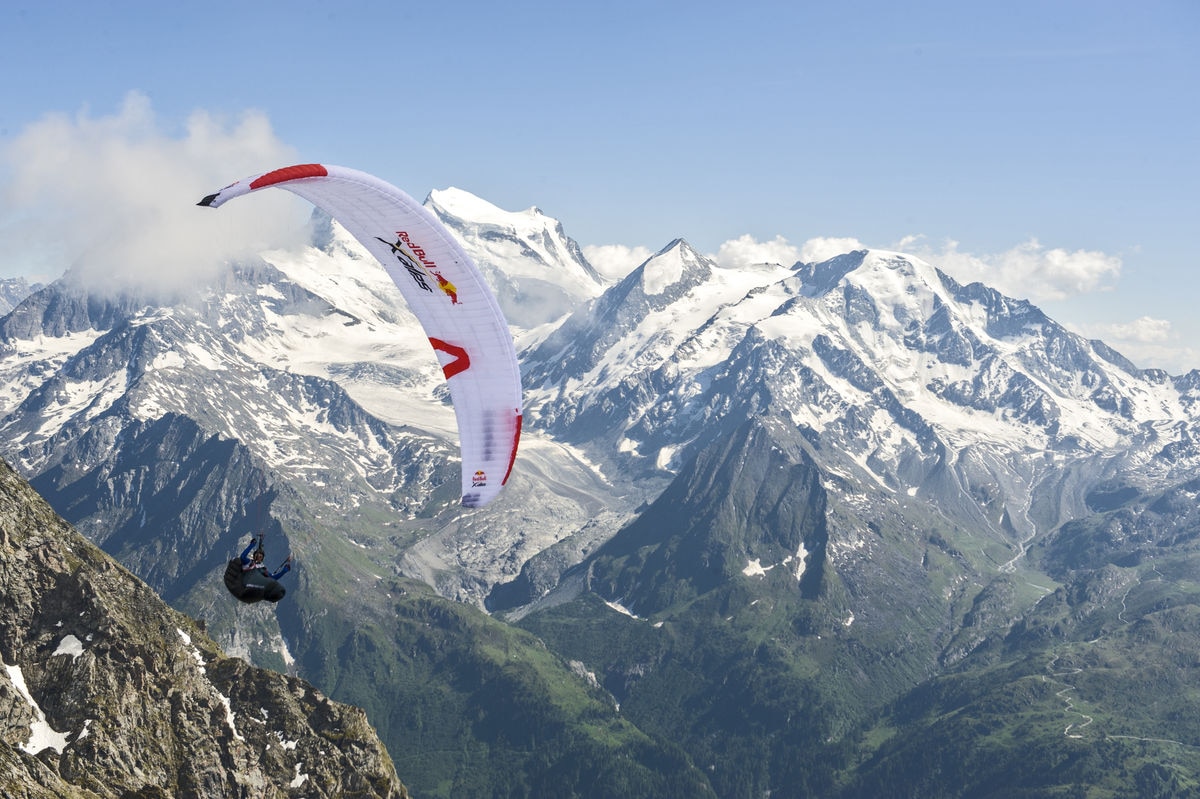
108	692
940	436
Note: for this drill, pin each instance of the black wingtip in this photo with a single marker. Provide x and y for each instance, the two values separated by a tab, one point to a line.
208	201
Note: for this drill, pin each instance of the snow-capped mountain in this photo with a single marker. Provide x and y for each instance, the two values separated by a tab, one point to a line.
909	382
312	365
537	271
13	290
905	378
863	434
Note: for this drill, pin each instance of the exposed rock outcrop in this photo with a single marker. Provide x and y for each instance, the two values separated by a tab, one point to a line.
105	691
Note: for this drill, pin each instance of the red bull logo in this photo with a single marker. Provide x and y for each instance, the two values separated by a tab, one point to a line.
419	265
479	479
429	265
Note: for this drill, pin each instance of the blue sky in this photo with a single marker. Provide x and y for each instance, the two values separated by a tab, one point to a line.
1047	148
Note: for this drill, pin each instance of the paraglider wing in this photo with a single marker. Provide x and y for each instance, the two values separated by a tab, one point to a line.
446	292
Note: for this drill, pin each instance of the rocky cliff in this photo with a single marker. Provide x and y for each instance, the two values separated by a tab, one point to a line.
108	692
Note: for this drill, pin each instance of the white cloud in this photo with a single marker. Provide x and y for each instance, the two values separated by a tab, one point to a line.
1028	271
1145	330
1173	356
113	198
1147	342
822	249
615	261
746	251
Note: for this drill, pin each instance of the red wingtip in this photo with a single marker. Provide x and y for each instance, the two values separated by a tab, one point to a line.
289	173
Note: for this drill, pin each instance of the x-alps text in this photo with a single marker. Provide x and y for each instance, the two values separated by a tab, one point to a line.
418	265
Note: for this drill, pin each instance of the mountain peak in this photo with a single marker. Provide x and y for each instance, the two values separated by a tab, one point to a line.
539	273
820	277
13	290
672	265
461	204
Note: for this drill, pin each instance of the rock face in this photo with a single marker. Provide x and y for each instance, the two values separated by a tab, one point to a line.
107	692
